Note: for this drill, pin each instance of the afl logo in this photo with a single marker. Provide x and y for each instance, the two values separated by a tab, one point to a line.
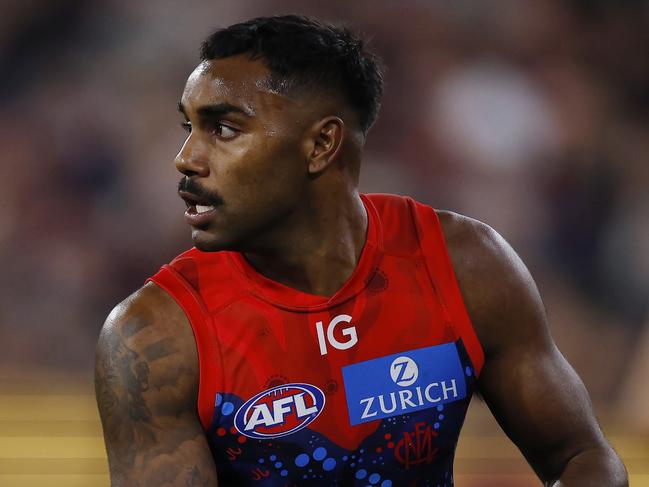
279	411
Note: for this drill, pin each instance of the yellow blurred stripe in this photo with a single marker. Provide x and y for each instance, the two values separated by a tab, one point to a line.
486	447
492	466
502	447
69	407
639	480
42	466
50	428
480	480
631	447
52	447
500	480
55	480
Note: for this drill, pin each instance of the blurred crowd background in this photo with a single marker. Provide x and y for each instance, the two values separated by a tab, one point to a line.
531	115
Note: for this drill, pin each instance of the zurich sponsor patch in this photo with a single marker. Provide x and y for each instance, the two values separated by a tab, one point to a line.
279	411
403	383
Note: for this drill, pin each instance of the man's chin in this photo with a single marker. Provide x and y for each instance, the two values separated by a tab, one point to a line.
208	242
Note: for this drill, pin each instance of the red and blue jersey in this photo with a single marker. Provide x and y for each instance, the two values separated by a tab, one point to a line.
369	386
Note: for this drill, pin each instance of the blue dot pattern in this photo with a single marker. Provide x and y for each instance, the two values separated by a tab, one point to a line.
227	408
302	460
320	453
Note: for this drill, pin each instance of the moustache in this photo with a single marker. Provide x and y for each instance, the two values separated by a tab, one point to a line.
190	186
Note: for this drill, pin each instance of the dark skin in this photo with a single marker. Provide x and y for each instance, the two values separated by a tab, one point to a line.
146	380
283	173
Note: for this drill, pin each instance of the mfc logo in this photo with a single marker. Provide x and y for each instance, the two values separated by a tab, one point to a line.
401	384
279	411
350	332
404	371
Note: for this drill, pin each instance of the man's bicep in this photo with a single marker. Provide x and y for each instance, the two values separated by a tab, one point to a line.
542	405
146	387
532	390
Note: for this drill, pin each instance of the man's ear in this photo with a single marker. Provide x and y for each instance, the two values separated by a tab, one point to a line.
324	143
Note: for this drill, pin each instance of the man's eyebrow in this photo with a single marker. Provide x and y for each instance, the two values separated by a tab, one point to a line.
218	110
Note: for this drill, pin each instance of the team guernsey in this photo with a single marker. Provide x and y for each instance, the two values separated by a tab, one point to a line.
369	386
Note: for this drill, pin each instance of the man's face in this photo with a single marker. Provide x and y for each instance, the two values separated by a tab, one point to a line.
244	160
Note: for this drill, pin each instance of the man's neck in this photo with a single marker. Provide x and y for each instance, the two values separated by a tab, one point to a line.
321	252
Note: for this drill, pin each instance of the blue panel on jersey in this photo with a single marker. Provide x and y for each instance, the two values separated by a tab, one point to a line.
403	383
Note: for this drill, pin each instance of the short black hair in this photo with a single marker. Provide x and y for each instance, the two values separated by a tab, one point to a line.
303	53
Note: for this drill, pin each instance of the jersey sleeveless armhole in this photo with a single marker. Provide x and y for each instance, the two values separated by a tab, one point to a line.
181	291
442	275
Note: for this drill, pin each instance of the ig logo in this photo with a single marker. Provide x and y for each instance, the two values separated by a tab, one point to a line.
350	332
404	371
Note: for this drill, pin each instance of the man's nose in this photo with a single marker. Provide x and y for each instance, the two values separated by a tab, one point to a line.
191	160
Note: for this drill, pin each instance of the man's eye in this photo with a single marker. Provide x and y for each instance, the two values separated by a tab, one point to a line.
187	126
224	132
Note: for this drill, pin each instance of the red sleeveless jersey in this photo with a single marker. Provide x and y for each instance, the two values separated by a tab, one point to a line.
367	387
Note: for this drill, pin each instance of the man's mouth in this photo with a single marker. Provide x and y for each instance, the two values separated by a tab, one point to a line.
199	210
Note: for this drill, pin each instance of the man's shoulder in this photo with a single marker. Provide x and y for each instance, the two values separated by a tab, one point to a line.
462	227
476	249
497	287
470	241
148	306
148	324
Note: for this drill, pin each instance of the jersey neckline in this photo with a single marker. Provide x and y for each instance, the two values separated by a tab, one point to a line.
290	298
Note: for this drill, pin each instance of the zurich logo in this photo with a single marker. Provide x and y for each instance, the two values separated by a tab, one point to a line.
279	411
396	384
404	371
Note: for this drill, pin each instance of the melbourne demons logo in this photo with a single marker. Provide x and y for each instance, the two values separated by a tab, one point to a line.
279	411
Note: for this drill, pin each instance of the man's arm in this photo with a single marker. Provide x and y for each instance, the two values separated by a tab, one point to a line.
533	392
146	381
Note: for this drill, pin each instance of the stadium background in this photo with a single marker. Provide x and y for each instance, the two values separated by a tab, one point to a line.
532	115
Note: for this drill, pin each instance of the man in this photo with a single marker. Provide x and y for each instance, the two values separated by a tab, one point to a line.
314	335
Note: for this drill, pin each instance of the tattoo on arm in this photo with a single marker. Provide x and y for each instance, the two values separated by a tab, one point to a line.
146	385
122	378
195	478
